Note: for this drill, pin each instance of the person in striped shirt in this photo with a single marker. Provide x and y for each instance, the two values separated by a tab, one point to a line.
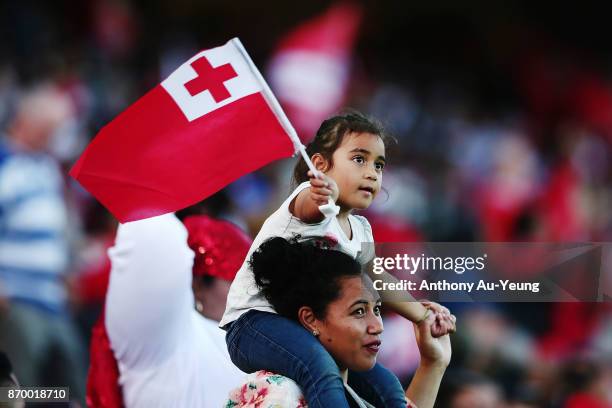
34	251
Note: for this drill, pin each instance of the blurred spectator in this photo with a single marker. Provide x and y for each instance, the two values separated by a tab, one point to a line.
34	253
152	352
8	381
465	389
589	385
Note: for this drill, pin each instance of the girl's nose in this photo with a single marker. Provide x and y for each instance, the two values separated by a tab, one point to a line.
371	174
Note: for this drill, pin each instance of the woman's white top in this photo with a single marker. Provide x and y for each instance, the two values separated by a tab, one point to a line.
168	354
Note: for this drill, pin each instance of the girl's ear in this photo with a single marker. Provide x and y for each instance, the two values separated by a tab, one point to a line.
320	162
307	318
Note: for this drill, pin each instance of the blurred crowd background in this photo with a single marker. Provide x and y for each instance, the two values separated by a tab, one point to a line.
503	117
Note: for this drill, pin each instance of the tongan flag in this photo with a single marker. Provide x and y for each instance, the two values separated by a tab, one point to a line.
309	71
211	121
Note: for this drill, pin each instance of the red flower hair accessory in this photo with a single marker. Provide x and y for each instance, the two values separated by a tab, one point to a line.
220	247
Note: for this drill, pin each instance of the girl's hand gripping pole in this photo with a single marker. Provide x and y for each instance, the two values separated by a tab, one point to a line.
330	209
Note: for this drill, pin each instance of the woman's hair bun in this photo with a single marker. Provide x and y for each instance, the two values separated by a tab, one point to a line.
293	273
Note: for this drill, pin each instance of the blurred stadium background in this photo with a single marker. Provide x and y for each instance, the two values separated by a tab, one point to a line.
503	116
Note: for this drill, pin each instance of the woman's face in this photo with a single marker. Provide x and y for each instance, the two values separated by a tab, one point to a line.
351	329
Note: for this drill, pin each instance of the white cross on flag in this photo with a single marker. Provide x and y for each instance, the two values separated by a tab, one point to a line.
211	121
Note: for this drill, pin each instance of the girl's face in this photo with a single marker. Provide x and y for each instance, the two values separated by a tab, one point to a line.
352	326
357	169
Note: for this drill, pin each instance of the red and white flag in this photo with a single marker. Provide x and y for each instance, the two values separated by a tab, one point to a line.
211	121
310	70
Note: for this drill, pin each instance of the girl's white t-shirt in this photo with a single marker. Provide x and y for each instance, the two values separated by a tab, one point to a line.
244	294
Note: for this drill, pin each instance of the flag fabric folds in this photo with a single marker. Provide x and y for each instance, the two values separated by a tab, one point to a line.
310	69
211	121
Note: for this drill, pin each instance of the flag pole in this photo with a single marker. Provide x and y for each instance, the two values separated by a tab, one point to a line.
329	209
276	108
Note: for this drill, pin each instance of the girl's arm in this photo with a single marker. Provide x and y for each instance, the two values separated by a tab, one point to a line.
404	304
435	357
443	323
305	205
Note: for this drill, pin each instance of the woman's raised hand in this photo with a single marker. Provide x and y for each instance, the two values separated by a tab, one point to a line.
444	322
435	357
435	351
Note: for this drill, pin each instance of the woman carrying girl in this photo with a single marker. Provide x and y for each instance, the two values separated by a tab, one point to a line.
349	151
332	297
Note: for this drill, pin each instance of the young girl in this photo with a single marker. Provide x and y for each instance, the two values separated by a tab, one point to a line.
349	151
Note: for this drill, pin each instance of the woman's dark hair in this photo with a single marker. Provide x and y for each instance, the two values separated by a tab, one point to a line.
330	136
292	274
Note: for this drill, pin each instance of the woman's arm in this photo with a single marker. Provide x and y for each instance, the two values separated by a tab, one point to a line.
435	357
149	295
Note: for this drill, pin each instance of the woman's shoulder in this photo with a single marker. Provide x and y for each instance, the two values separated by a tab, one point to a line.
267	389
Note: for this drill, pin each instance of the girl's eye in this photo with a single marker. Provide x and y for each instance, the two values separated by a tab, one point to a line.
359	312
377	310
359	159
380	166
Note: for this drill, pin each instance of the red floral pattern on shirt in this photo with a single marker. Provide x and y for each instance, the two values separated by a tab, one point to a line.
265	389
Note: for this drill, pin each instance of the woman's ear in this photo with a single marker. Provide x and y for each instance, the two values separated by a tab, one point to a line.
320	162
307	318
